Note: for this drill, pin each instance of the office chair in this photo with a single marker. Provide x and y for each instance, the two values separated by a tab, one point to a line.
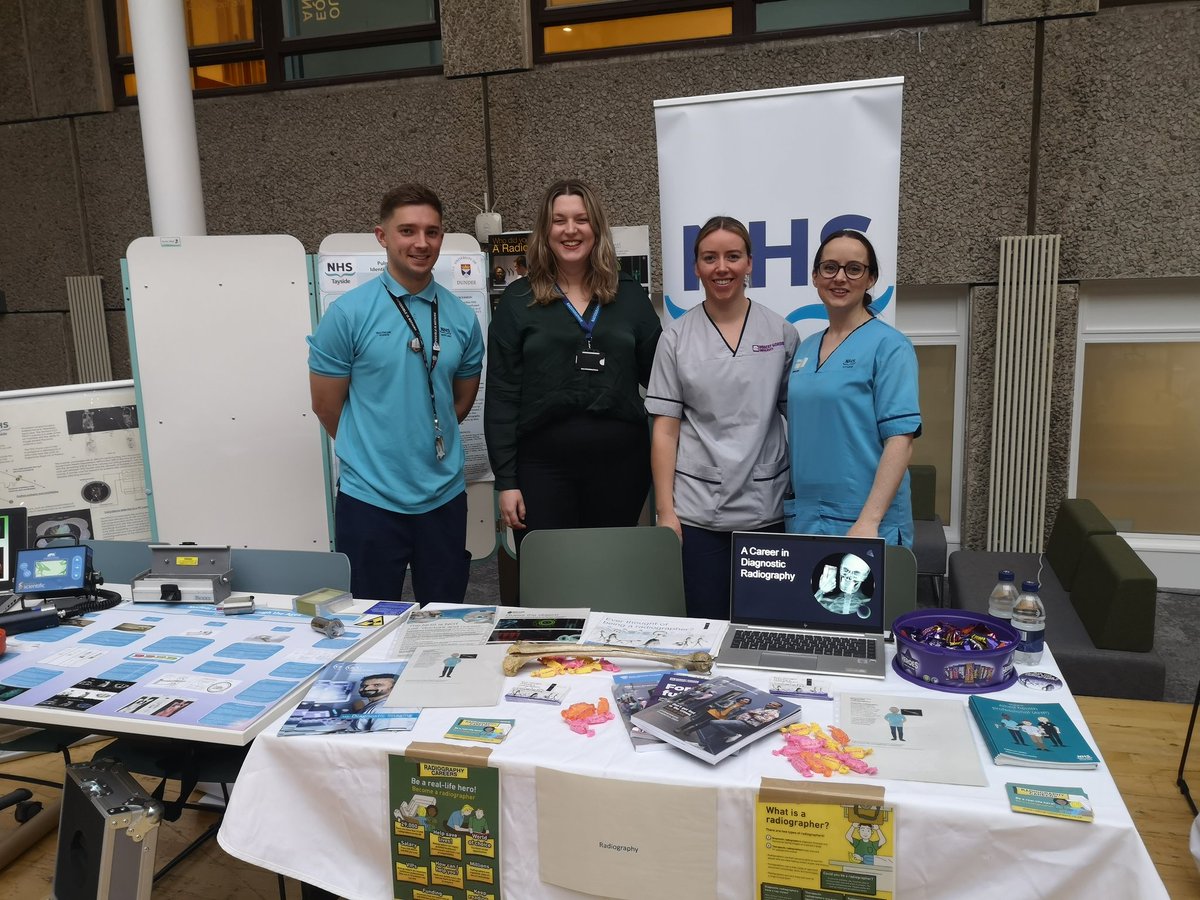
624	570
929	535
900	582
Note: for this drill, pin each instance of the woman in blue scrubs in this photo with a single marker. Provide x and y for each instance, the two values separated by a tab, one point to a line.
719	454
852	407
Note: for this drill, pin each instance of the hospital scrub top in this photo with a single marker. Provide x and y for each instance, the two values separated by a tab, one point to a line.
732	461
840	413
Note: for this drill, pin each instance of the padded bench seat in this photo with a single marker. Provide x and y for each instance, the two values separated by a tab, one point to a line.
1089	670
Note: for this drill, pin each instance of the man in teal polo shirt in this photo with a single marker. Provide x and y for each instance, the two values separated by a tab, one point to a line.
393	368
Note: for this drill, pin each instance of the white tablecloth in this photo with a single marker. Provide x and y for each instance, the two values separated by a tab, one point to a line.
315	808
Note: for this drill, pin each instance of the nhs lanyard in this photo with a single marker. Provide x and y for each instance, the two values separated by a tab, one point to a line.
588	324
418	346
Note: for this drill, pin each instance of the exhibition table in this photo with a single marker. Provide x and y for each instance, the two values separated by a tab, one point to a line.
205	677
316	808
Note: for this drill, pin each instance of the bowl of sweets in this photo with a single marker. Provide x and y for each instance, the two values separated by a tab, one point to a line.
955	650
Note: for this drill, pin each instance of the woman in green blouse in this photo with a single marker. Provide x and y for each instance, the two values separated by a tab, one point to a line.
568	346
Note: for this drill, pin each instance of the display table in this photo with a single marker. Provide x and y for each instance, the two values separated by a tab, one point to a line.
178	672
316	807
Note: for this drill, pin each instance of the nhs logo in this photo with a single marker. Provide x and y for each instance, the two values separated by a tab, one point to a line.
796	248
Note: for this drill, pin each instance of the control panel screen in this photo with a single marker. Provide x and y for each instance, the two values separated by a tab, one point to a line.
52	570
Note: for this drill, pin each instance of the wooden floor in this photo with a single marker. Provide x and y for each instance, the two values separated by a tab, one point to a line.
1140	741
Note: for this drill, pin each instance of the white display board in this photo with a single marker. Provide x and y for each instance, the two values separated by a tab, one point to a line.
787	187
345	261
234	452
72	456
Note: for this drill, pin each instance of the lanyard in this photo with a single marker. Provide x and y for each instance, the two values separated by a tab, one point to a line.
418	346
589	324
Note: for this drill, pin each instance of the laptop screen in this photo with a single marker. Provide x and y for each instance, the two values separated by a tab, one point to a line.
807	581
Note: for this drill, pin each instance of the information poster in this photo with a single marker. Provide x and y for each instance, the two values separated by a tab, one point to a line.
815	841
445	824
507	261
462	273
72	456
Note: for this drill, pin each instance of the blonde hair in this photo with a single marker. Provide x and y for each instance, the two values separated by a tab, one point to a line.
602	272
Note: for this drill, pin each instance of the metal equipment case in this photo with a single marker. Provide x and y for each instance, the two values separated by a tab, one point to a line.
107	835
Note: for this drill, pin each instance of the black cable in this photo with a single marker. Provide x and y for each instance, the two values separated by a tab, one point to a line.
101	599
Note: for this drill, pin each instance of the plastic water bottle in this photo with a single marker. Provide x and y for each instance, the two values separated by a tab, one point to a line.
1003	596
1029	619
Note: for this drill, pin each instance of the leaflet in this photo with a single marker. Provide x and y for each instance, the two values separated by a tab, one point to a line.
458	625
653	632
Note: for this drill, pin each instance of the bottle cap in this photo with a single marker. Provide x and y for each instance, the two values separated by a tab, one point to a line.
1029	587
1007	575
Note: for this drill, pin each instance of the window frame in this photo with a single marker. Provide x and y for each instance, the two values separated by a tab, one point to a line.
939	315
743	24
272	47
1164	313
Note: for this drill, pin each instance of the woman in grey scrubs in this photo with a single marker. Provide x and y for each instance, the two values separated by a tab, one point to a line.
717	393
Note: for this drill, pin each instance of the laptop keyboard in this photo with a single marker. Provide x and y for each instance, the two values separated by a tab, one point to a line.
813	644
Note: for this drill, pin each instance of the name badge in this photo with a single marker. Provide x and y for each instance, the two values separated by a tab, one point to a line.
589	361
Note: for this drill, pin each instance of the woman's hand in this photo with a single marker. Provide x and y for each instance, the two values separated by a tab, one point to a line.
863	529
670	520
512	509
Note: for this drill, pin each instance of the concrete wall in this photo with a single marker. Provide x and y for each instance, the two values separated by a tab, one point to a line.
1097	112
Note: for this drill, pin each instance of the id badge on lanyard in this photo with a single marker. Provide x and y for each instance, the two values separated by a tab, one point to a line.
587	359
418	346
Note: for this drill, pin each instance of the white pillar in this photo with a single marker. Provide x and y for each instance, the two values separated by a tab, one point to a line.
164	92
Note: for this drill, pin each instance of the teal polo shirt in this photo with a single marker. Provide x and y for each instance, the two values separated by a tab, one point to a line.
385	440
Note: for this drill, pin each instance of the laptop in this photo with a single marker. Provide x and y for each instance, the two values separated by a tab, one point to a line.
806	603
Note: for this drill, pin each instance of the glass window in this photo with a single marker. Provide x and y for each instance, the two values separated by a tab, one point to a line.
937	365
582	26
236	44
207	23
628	32
218	77
363	60
1139	434
783	15
317	18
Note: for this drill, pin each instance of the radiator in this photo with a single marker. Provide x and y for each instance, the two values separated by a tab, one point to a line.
1021	393
86	302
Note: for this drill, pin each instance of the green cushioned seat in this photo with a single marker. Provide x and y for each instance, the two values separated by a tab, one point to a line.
1115	595
1077	521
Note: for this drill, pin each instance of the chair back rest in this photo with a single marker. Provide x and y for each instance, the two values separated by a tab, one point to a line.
120	561
289	571
899	582
266	571
1115	595
922	486
625	570
1077	521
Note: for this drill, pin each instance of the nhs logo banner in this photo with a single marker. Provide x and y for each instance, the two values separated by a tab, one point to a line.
793	164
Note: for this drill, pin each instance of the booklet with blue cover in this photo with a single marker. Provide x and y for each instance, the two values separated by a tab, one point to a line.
1031	734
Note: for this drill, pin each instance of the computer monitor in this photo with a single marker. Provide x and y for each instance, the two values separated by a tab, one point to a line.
13	537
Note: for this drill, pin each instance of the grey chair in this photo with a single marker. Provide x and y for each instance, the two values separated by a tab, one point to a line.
289	571
929	534
900	582
626	570
265	571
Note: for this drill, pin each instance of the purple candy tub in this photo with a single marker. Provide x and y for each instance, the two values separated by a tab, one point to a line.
955	670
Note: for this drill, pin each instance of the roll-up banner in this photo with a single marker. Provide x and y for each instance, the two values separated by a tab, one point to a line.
793	164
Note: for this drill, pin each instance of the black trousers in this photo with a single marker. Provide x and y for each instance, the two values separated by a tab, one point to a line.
382	544
583	472
707	560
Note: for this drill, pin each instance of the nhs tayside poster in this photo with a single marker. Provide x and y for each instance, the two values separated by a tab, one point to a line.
793	164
